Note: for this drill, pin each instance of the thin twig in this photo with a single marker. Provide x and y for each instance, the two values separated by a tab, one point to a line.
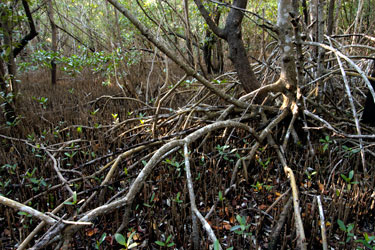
322	223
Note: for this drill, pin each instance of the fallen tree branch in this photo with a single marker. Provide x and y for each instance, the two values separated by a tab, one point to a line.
24	244
24	208
47	219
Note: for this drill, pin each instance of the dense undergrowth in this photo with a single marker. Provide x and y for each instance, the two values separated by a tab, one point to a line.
80	128
140	145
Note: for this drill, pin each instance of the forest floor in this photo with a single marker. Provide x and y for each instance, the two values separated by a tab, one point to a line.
80	128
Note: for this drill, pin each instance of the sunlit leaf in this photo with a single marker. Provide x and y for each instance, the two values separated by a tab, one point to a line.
120	239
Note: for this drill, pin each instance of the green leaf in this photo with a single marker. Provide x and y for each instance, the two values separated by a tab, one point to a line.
168	239
95	111
146	205
351	174
350	227
348	239
130	239
241	219
354	151
234	228
22	213
152	197
217	245
341	225
102	238
345	178
162	244
34	180
120	239
134	244
170	244
75	197
221	196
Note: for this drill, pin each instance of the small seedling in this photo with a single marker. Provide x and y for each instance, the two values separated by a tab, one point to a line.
94	112
175	164
79	129
264	164
74	202
106	83
350	151
100	241
258	186
367	241
223	153
115	118
70	155
127	243
14	123
326	142
268	187
141	115
242	228
347	230
151	201
178	200
217	246
42	101
165	243
221	197
310	175
11	169
348	179
29	216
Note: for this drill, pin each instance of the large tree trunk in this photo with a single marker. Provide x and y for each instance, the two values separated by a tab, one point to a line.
187	33
213	49
288	78
7	83
330	19
237	52
233	35
7	69
369	109
9	113
54	41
